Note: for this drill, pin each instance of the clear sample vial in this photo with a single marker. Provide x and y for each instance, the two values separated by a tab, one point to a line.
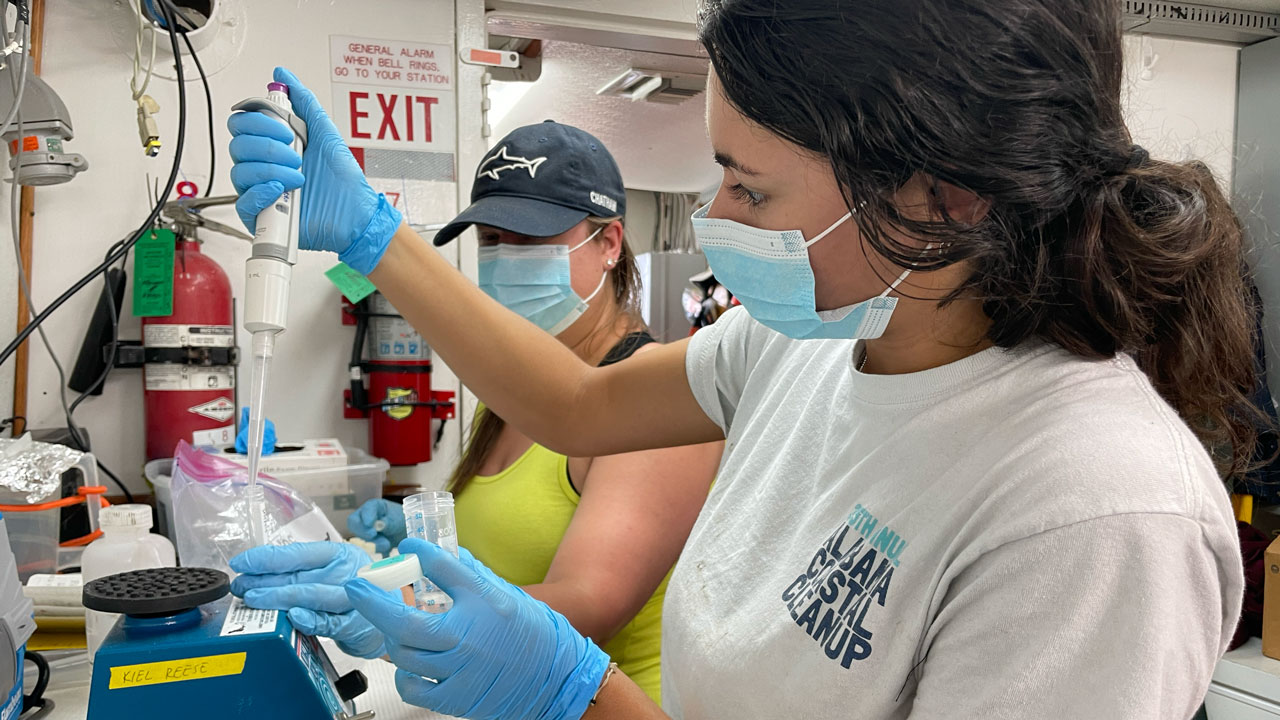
429	516
398	574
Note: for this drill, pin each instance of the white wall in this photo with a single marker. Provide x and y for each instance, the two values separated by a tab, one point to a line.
1184	107
76	222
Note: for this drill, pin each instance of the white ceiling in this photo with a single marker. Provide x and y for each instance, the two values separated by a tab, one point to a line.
1255	5
658	147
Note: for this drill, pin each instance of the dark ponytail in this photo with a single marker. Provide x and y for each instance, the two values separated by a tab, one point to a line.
1088	243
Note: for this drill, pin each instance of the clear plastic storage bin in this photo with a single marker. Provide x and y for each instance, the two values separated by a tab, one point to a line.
35	528
337	491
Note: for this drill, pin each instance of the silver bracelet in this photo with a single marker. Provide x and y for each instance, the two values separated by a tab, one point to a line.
613	668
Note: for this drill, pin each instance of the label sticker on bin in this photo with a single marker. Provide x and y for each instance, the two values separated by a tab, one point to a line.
244	620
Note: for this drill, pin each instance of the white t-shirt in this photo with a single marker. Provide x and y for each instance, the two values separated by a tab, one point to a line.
1021	534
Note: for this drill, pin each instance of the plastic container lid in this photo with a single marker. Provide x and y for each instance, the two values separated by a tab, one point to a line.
394	572
126	516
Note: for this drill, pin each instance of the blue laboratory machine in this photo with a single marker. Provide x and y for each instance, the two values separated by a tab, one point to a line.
184	649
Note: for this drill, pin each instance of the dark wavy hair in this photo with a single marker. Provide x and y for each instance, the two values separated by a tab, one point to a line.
1088	243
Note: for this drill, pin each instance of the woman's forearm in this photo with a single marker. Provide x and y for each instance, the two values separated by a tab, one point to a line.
622	699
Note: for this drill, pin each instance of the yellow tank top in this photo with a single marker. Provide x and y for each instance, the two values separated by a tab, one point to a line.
514	521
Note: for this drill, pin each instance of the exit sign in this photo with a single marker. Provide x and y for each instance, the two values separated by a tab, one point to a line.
393	95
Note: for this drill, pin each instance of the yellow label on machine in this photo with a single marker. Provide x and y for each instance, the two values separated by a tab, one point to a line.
167	671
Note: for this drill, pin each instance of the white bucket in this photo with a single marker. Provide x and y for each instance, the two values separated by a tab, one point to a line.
159	473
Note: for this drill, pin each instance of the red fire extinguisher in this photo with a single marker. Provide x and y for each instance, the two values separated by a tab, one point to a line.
190	357
398	399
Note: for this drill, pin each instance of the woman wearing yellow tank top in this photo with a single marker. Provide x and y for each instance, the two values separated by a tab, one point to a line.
593	537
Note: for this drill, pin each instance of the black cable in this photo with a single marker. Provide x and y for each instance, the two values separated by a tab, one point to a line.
208	99
35	699
10	423
168	10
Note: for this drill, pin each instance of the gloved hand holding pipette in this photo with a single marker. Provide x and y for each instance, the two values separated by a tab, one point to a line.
380	522
305	580
340	212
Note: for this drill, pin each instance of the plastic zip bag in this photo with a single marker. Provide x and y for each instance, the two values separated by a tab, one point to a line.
211	512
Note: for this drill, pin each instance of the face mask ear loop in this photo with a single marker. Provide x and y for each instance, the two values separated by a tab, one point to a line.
905	273
599	287
829	230
590	237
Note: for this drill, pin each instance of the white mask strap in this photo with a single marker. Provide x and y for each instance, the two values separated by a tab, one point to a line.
827	232
905	273
598	288
590	237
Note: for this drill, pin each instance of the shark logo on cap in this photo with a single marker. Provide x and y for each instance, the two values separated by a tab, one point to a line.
512	163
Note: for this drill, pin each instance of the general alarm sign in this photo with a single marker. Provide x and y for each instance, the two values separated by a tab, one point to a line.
393	95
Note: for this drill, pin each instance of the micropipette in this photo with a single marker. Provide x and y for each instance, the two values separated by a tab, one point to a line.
267	278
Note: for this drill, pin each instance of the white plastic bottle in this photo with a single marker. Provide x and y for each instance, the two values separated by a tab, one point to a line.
127	543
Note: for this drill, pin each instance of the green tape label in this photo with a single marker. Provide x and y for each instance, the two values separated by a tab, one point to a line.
153	274
354	286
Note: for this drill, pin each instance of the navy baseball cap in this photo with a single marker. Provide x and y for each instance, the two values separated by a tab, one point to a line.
540	181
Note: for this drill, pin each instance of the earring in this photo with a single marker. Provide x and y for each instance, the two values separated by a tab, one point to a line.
610	263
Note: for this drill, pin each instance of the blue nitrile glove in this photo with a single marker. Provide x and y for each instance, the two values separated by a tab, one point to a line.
305	579
340	212
497	653
268	435
362	523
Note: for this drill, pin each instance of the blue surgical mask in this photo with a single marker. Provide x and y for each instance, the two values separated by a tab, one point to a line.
534	282
769	272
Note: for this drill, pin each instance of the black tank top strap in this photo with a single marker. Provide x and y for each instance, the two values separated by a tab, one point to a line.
627	347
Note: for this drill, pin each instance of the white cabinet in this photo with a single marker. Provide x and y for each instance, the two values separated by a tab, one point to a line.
1246	686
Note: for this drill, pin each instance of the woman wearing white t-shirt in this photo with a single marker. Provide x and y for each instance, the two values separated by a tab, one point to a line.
986	344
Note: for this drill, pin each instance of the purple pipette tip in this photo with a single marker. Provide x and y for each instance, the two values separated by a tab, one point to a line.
278	86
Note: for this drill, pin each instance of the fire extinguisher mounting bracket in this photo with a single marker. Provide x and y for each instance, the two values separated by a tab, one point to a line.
132	354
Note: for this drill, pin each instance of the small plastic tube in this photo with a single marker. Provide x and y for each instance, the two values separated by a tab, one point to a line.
429	516
400	574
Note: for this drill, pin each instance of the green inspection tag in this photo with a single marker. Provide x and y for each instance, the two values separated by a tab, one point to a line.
354	286
153	274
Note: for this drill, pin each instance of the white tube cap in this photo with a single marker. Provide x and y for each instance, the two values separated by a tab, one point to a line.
135	516
394	572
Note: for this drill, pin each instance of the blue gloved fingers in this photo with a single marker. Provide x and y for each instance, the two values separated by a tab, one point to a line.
354	635
255	148
310	622
277	559
361	521
268	435
256	199
305	104
320	576
417	691
438	665
247	177
310	596
400	623
261	125
382	545
458	579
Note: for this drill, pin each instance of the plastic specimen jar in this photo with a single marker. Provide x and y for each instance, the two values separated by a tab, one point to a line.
429	516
